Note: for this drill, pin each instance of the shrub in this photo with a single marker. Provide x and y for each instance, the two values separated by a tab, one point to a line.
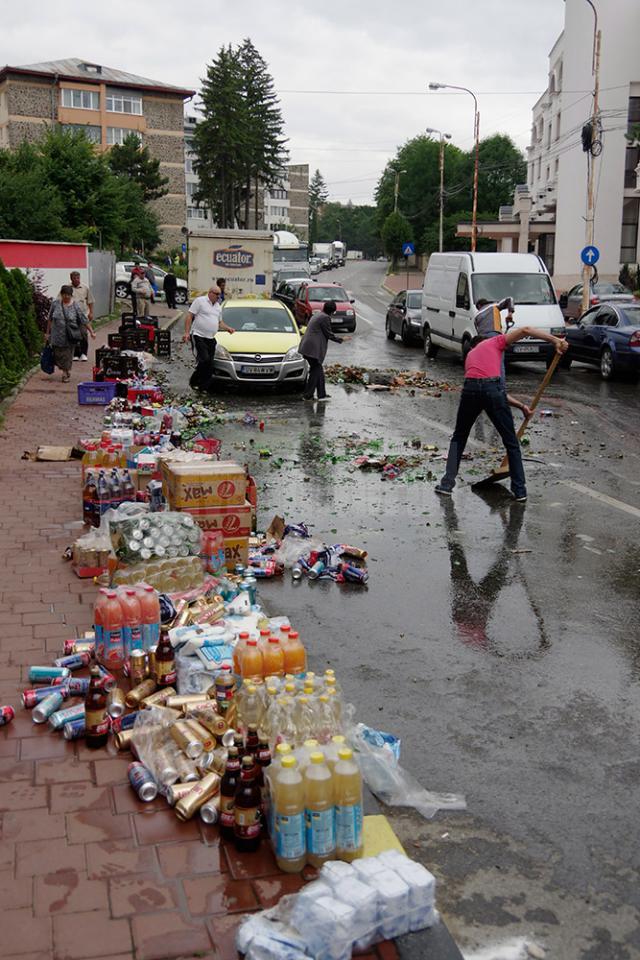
19	333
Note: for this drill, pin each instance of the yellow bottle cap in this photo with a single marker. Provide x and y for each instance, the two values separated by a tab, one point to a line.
251	688
324	698
283	748
308	690
329	672
311	744
317	757
339	738
289	677
272	691
289	761
310	675
345	753
290	687
303	699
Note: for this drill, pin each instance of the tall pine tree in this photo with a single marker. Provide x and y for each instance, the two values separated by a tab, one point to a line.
134	162
318	196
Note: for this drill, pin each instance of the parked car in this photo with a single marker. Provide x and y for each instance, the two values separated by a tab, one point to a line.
608	336
287	292
123	281
297	271
312	295
571	302
404	316
264	348
315	266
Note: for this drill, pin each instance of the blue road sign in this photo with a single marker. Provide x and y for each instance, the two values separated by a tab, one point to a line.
408	249
184	248
590	255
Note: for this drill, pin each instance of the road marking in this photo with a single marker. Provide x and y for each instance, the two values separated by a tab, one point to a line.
364	319
603	498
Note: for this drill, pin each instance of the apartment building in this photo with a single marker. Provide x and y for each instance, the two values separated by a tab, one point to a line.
107	104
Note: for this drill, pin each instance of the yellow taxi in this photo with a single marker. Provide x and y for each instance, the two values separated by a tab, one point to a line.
264	347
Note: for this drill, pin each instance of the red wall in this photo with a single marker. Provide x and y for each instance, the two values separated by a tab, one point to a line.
28	255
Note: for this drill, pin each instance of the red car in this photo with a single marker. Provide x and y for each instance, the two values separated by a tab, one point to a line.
311	297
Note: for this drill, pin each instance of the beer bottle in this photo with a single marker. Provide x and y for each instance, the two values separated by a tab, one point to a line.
228	786
253	741
96	720
247	819
165	661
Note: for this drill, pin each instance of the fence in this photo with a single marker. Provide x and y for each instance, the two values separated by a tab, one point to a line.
102	277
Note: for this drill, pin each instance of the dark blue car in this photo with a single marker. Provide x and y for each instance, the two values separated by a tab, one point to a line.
609	337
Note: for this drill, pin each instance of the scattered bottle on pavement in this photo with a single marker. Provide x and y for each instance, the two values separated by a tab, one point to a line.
165	661
96	720
228	786
289	816
319	811
247	819
348	799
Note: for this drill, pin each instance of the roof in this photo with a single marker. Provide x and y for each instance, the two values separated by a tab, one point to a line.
75	69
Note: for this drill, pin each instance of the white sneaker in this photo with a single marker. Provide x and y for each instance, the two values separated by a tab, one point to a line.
76	358
84	357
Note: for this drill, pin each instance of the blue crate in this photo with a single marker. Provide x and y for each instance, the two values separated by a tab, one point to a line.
96	393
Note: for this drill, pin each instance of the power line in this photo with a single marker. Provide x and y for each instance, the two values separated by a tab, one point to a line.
427	93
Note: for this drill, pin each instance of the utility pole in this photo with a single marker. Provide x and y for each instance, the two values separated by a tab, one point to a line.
396	190
443	137
589	223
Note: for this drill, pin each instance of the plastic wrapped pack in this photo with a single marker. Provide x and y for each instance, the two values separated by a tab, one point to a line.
192	677
263	937
334	871
393	898
327	925
364	900
367	867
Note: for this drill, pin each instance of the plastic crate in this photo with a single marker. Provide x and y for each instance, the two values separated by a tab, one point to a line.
163	343
96	393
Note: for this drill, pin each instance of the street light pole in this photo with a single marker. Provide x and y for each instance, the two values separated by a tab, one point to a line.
396	190
443	137
476	135
589	223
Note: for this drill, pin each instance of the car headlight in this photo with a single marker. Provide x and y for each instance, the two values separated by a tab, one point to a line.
222	353
292	354
349	313
558	331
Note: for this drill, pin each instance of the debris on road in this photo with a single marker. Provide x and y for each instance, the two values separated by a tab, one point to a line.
387	379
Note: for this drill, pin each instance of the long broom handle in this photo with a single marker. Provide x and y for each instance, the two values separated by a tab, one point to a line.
534	403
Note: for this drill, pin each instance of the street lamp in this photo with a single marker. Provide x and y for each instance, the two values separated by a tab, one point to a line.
476	134
589	222
443	137
396	190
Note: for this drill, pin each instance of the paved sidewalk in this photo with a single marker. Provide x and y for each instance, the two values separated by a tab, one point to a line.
87	872
395	282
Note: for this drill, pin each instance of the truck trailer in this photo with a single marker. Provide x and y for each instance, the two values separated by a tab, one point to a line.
244	258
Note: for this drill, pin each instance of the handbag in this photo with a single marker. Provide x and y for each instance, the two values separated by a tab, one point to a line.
47	364
74	332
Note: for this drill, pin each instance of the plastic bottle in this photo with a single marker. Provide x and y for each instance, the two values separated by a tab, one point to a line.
132	621
325	720
308	747
150	616
289	817
251	661
128	488
347	781
228	786
237	654
249	707
89	499
295	657
112	622
273	657
319	811
303	719
247	819
264	637
104	493
98	622
332	748
115	489
91	456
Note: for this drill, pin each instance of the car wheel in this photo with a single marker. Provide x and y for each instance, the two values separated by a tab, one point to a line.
565	363
607	366
405	335
122	290
430	349
181	296
466	346
390	334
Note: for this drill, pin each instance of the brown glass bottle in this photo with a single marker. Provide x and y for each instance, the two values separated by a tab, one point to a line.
247	816
228	786
96	719
165	661
263	759
253	741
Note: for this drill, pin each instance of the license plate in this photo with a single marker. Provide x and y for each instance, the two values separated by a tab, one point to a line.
253	370
526	348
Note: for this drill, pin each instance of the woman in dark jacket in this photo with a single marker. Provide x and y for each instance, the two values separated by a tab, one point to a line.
64	329
313	348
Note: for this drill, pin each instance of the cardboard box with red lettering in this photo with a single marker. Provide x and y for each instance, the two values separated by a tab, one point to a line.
203	484
233	520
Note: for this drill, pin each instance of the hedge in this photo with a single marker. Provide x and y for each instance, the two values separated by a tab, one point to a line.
21	307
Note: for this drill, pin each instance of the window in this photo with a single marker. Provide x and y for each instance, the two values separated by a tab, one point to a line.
80	99
119	134
629	240
124	103
462	292
549	130
94	134
548	174
192	188
278	211
631	161
539	168
277	194
197	213
634	110
525	288
188	165
557	166
557	136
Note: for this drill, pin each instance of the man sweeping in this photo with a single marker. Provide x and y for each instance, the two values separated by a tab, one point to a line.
484	390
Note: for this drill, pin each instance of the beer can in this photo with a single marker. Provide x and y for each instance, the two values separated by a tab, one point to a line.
37	694
74	661
47	674
123	740
187	700
353	574
179	790
210	719
6	715
210	811
138	669
142	781
186	769
58	719
46	707
108	679
78	686
74	729
160	698
151	653
202	791
79	646
186	739
356	552
165	768
205	736
115	702
125	722
135	697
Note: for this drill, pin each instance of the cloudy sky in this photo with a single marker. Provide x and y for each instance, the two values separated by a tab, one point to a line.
383	53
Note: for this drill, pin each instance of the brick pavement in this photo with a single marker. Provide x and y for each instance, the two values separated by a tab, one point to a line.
395	282
87	872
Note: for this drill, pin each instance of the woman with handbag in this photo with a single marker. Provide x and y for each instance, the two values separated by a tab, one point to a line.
64	329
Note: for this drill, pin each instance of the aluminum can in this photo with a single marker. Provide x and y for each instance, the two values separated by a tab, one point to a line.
205	737
47	674
135	697
202	791
186	769
79	646
316	570
165	768
353	574
142	781
6	715
186	700
78	686
124	740
151	653
250	584
179	790
138	669
46	707
125	722
160	698
58	719
115	702
37	694
190	744
210	811
208	717
108	679
74	729
74	661
239	569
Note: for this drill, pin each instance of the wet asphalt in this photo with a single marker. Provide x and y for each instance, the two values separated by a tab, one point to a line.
498	641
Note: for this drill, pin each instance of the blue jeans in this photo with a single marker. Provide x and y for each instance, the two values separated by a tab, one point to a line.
489	396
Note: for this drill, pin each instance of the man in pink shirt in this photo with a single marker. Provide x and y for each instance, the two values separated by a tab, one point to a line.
484	390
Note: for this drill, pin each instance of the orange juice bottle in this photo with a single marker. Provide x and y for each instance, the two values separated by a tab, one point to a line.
347	782
112	627
237	653
319	811
273	657
251	661
91	456
295	657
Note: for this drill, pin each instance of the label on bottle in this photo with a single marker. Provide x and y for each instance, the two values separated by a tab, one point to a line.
150	635
349	826
247	822
227	811
289	836
98	629
165	672
96	722
131	639
321	831
112	644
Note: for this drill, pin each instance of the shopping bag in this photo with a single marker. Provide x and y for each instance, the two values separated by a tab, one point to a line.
47	364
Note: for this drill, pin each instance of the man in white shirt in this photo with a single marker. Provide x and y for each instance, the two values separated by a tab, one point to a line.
203	322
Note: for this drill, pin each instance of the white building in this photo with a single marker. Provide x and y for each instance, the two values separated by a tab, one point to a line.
548	215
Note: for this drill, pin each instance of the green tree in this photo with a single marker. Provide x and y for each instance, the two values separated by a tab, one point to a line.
318	196
130	160
501	168
396	230
30	207
356	225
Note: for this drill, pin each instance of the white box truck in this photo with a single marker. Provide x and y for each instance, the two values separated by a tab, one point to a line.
243	257
455	282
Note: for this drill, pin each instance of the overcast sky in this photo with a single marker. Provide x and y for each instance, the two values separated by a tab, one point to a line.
498	48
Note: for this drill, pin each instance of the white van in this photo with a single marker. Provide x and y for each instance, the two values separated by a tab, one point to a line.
455	282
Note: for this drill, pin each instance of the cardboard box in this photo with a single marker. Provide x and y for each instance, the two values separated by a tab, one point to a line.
233	521
236	550
214	484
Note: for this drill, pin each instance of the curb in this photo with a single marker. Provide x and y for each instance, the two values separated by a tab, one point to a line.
173	320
